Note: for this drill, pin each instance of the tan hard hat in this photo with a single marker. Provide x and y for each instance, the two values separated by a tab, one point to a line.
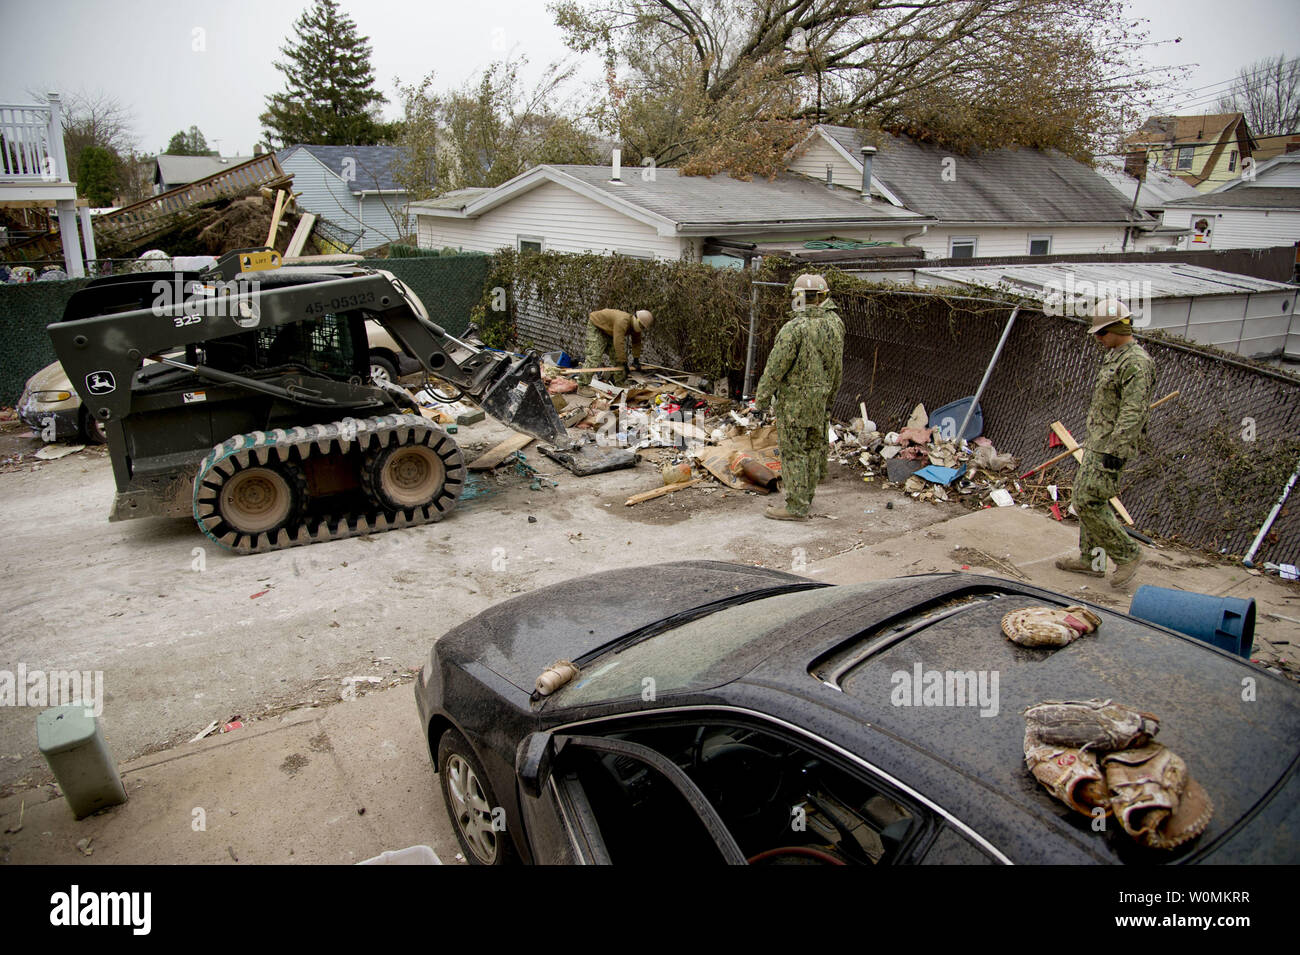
1110	311
645	318
811	282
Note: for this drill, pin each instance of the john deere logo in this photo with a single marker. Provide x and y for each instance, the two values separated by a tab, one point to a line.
100	382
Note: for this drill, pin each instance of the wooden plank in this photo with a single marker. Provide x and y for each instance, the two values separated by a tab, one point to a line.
305	225
1068	440
491	458
661	491
275	217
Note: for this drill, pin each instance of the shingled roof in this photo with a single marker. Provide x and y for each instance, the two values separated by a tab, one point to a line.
374	164
1002	186
692	205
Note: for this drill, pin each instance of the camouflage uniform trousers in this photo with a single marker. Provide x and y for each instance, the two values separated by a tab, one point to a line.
1099	526
804	451
600	342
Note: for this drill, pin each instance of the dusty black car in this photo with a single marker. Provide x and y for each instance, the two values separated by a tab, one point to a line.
726	713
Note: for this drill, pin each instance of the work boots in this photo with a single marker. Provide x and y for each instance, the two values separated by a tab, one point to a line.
781	514
1077	565
1124	573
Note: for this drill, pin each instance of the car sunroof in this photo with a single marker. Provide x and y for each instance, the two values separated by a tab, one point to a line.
834	665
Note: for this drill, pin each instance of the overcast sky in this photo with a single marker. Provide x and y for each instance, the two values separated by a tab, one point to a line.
146	53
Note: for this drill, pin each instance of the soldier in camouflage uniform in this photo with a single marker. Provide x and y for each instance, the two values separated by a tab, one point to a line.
611	331
1117	420
803	373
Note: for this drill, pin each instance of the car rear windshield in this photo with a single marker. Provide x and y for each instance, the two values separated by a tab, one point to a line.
706	652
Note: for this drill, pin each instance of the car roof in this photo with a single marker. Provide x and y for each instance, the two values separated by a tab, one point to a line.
1236	726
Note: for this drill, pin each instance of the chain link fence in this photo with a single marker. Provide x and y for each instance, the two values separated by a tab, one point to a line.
1214	462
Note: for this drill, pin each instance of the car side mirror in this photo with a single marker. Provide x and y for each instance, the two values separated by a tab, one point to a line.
533	763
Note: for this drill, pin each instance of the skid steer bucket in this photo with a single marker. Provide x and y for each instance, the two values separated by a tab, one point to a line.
519	399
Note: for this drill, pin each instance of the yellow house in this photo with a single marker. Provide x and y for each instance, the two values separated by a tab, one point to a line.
1203	151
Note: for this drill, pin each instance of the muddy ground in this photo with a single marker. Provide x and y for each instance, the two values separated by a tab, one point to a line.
186	633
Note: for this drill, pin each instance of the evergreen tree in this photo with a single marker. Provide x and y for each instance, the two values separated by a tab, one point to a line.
330	97
97	175
193	143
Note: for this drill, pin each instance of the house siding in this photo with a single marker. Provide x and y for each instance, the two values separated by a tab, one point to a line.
812	163
325	194
1247	228
995	241
566	220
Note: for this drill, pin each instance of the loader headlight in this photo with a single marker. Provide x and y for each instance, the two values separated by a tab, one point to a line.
49	397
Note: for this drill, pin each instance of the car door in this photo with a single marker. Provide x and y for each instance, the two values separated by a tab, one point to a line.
576	813
777	797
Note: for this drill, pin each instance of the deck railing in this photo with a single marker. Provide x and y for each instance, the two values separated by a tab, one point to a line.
31	142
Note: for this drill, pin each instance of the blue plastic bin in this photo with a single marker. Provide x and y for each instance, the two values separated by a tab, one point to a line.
1226	622
956	410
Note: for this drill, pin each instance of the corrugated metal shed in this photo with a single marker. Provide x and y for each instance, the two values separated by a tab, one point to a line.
1167	279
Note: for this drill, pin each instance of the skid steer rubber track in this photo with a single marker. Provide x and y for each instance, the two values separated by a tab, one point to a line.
286	451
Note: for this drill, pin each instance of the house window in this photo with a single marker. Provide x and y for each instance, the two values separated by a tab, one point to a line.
531	243
1185	156
636	254
961	247
1040	245
1232	161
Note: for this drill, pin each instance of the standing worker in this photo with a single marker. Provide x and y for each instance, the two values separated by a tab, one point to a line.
1117	420
803	373
608	330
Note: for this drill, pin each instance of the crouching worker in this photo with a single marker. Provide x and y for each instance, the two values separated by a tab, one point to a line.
612	331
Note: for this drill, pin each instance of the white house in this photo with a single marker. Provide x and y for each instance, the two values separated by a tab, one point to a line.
353	186
653	214
1001	202
1259	210
1153	195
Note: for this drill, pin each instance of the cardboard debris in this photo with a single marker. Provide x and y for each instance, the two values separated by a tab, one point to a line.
52	452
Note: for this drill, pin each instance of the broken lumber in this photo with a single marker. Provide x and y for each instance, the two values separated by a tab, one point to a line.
494	456
305	225
275	217
1069	451
1072	448
661	491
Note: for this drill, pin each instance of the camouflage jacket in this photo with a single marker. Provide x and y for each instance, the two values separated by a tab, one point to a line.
619	326
1117	417
806	365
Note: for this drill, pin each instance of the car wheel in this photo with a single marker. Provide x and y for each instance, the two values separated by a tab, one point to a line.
92	429
471	803
381	369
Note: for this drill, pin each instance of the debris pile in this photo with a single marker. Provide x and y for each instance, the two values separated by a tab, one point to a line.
925	459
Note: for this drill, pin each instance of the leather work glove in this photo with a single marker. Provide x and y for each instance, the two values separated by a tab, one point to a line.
1111	463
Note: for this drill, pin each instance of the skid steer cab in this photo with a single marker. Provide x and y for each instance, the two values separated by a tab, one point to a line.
241	395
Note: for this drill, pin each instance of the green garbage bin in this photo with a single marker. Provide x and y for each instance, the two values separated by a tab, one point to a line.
72	742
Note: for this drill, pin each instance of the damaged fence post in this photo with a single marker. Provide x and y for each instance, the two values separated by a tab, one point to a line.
748	390
1249	559
988	373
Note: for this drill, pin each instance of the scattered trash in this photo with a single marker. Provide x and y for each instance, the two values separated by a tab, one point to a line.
261	593
1002	497
84	847
52	452
206	731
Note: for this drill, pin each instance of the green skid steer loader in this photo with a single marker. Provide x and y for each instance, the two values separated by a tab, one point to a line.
242	395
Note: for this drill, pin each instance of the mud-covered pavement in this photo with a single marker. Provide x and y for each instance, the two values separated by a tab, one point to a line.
185	633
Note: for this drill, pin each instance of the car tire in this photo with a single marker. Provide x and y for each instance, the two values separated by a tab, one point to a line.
92	429
470	803
381	369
